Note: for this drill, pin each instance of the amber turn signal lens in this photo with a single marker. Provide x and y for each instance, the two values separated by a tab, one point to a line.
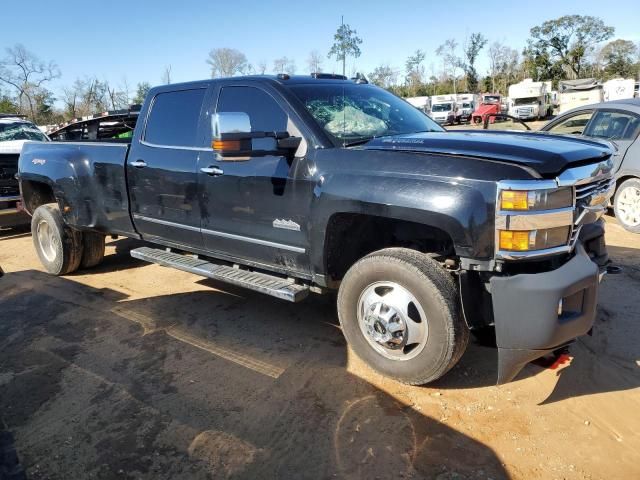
226	145
514	200
515	241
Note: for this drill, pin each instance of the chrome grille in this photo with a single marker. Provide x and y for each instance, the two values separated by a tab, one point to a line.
598	188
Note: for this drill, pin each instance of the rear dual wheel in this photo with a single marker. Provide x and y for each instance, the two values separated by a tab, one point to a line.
62	249
399	312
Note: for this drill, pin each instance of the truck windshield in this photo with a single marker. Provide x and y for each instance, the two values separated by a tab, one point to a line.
20	131
525	101
352	113
491	99
441	107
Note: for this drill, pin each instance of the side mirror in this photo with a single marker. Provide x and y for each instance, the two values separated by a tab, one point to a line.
234	140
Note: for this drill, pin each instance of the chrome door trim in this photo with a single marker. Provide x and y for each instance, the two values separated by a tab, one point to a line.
216	233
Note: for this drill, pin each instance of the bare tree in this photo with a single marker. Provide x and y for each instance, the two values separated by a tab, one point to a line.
227	62
284	65
383	76
450	61
27	74
166	75
261	68
314	61
496	53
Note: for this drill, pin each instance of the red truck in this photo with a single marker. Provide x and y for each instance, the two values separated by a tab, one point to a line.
490	104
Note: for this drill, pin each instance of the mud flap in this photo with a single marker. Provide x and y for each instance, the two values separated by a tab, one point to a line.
535	314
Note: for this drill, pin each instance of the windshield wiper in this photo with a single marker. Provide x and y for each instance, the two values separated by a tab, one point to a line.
358	142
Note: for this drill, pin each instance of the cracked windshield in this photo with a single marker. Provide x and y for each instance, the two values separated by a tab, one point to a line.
357	113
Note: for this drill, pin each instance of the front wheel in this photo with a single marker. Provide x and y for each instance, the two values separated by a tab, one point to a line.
399	312
626	205
59	247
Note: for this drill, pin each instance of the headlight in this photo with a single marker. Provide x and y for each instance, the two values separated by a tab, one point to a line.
527	240
535	200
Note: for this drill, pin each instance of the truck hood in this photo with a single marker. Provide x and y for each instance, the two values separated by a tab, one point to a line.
546	154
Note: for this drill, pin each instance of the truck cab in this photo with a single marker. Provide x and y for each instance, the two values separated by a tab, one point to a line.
529	100
444	109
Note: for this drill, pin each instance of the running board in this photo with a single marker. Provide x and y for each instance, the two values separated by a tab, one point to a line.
283	288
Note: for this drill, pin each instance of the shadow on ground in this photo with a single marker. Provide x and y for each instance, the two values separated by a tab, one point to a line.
204	384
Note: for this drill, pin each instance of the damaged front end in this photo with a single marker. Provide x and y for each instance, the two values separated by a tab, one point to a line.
551	256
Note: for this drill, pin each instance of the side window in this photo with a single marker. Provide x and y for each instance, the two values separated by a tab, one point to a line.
264	112
614	126
174	116
574	125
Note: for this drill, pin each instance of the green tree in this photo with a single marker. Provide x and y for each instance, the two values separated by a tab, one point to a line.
346	43
141	92
618	57
7	104
566	41
472	49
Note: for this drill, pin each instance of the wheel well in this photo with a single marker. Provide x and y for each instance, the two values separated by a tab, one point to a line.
351	236
622	179
35	194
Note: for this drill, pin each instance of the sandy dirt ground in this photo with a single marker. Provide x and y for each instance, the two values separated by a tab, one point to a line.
133	370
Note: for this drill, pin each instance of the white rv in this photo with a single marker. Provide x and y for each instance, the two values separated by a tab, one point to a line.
466	105
444	109
575	93
618	89
528	100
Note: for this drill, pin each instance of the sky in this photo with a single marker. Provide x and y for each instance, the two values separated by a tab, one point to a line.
136	40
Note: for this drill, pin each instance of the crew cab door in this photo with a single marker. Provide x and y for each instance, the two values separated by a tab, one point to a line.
256	208
162	169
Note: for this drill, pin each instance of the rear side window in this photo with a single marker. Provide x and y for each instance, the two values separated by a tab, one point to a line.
174	117
614	126
264	112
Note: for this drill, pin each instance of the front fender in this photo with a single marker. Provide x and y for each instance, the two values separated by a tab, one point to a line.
464	209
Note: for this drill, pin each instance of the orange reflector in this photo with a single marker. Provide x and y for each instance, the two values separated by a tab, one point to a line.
226	145
514	240
514	200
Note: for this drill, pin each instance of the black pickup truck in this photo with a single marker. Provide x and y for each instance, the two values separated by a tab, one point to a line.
290	185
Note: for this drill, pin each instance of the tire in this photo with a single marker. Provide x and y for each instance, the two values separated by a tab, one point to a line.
59	247
436	297
626	205
92	249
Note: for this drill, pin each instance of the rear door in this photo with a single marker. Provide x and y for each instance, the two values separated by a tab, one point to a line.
162	169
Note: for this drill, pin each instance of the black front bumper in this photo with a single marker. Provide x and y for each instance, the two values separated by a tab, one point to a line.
536	314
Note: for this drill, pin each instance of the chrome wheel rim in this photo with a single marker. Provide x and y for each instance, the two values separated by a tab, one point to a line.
629	206
392	321
47	240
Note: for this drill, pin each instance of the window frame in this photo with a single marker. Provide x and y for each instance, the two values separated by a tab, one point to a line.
199	146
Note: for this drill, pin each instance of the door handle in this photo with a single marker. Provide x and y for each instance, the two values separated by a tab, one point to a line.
212	171
138	164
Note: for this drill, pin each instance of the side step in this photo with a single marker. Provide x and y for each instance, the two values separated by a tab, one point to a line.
282	288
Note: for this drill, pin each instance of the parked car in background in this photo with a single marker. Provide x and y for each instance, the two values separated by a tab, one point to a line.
619	122
14	132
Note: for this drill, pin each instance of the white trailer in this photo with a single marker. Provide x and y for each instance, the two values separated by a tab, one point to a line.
618	89
421	103
528	100
444	109
575	93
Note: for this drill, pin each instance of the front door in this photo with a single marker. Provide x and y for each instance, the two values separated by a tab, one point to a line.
162	170
256	208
